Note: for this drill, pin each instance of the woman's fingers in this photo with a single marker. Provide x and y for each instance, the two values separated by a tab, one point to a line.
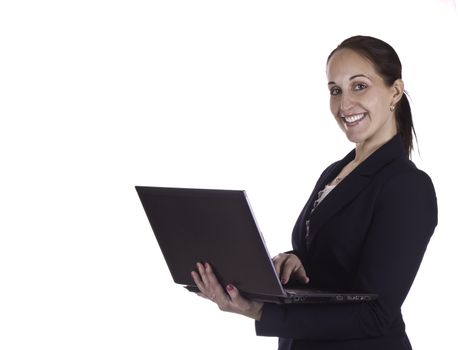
279	261
218	293
283	267
199	283
277	265
301	275
207	283
289	266
228	299
203	275
287	270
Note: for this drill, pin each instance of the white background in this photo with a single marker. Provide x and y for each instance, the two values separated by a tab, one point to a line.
99	96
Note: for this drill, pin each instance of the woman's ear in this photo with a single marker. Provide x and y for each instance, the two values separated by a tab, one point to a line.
398	91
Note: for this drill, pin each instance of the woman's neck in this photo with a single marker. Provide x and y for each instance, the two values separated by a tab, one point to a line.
365	149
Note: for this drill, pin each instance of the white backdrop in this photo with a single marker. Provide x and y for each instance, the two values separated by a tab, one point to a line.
99	96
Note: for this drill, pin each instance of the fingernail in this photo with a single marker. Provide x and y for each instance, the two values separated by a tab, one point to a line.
206	265
284	280
229	287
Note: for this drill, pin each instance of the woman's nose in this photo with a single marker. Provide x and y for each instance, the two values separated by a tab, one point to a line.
346	102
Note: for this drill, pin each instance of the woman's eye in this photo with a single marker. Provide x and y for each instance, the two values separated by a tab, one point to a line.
360	86
335	91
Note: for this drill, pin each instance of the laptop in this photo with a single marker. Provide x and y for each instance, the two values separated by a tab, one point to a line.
218	227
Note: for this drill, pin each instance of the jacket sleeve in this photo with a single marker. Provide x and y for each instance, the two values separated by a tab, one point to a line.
405	216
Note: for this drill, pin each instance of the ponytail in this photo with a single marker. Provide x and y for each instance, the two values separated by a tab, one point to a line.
405	124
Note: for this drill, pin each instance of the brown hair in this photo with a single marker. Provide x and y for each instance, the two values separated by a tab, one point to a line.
388	66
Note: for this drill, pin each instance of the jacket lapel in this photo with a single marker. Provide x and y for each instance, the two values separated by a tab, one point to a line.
350	186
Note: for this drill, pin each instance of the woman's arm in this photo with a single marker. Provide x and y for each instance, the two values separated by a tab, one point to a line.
404	220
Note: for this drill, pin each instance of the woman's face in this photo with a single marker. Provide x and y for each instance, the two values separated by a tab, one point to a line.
360	100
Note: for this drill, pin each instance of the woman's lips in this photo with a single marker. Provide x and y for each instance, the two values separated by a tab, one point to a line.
353	119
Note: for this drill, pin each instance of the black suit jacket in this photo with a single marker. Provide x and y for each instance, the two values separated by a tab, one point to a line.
369	234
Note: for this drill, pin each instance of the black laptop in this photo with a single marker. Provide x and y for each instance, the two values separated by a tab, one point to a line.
218	227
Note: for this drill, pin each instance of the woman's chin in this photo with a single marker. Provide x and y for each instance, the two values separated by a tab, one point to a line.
354	138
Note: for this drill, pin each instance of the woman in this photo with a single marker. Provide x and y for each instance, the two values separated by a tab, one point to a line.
366	225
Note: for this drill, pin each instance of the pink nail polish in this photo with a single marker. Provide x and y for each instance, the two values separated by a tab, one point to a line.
230	287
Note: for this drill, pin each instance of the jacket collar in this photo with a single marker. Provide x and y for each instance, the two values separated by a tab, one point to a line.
352	184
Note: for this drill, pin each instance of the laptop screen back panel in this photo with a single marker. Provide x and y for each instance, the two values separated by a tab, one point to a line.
214	226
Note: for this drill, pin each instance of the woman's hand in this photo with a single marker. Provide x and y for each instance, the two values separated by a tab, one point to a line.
227	300
288	266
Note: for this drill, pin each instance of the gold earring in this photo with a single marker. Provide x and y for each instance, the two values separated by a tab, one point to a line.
392	108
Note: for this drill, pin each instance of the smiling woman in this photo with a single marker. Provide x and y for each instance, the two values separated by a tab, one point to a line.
363	97
366	224
360	102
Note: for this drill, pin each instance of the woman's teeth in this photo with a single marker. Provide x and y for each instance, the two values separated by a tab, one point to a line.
354	118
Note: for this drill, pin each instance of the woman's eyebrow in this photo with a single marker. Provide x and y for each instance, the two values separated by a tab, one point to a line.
352	77
358	76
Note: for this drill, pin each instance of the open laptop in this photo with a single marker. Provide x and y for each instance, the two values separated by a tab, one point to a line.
218	227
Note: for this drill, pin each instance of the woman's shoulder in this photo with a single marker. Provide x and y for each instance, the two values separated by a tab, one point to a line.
407	190
402	177
405	170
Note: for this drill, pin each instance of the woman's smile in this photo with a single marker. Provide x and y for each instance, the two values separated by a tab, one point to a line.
354	119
